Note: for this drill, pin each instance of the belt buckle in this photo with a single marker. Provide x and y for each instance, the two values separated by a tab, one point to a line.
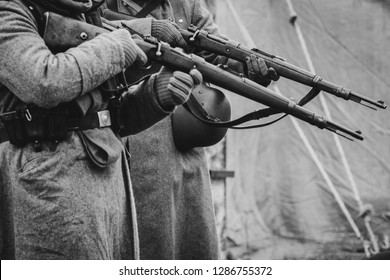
104	118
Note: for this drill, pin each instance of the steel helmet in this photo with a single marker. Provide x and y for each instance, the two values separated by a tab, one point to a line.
190	132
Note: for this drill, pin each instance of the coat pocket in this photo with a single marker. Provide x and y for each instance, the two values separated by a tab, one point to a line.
43	166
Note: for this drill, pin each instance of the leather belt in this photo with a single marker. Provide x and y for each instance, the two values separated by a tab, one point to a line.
47	129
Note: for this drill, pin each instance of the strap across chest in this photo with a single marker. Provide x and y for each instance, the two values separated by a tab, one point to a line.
175	9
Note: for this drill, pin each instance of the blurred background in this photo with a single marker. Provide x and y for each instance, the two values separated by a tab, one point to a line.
291	190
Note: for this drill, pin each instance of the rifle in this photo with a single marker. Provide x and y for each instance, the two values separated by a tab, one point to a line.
204	40
62	32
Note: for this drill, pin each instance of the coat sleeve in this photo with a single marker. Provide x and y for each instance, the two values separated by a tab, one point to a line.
140	108
37	76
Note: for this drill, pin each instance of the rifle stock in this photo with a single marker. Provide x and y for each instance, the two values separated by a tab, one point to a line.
73	33
204	40
175	58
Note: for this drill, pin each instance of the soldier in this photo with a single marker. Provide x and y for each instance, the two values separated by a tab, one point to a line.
65	186
172	188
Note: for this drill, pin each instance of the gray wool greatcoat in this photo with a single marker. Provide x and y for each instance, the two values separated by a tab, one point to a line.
56	203
172	189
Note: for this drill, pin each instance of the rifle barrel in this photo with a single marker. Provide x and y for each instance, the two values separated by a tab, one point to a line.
175	58
206	41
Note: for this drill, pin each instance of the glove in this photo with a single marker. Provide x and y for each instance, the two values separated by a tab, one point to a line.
259	72
168	31
133	53
174	88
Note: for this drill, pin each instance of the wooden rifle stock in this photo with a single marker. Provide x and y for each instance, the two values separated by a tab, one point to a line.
176	59
204	40
62	31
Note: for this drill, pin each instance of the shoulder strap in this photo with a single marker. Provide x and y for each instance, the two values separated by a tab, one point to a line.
112	5
152	4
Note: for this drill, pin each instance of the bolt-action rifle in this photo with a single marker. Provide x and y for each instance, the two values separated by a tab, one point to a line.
62	33
204	40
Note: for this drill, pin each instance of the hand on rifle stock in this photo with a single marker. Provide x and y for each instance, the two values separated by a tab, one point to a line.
168	31
258	71
134	54
174	87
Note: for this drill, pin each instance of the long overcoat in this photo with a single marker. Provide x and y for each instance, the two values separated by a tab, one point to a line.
172	189
56	203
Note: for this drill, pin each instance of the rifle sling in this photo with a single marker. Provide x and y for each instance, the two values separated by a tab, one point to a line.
262	113
150	6
112	5
206	118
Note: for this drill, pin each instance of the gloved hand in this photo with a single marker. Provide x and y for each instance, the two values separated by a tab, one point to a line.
133	53
168	31
259	72
174	88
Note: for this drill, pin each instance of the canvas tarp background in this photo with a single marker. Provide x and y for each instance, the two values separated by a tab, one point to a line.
280	204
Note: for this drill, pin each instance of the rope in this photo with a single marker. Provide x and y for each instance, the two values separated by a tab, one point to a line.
249	41
293	21
324	174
